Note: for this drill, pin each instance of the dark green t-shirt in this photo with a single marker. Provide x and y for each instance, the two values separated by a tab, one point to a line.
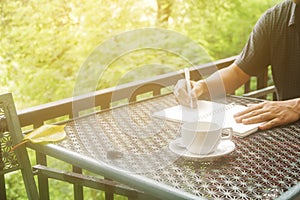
275	41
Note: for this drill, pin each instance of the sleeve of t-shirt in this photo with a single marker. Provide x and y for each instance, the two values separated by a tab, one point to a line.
255	56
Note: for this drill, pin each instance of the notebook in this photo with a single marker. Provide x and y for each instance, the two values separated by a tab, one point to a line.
221	114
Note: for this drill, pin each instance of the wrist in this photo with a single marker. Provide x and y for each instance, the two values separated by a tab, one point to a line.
297	105
294	104
201	89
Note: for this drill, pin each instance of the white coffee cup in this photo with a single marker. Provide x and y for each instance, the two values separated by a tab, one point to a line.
203	137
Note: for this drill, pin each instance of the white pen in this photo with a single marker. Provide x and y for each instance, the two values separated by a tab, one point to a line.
188	84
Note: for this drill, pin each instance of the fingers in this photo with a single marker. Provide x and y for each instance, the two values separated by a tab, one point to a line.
193	100
252	116
256	118
197	88
248	110
180	89
270	124
271	113
181	94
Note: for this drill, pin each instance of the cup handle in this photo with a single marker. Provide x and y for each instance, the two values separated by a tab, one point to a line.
228	133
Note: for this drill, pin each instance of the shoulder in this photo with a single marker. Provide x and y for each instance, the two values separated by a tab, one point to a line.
279	11
275	17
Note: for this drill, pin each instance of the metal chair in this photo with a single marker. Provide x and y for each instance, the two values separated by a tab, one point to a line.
11	134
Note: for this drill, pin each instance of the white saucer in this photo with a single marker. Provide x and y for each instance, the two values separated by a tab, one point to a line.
225	147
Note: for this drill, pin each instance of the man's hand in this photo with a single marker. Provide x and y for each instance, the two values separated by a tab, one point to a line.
182	96
274	113
199	89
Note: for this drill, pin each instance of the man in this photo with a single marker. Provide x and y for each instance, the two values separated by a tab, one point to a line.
275	41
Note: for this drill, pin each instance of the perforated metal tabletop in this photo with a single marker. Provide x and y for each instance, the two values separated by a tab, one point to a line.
264	165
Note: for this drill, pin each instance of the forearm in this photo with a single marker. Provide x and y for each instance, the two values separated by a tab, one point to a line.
225	81
233	77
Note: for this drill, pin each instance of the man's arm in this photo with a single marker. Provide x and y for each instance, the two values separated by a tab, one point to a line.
273	113
221	82
231	78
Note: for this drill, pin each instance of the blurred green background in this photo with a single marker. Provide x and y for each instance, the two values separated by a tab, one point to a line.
44	43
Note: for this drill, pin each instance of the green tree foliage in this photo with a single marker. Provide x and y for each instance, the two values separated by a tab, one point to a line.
221	26
44	43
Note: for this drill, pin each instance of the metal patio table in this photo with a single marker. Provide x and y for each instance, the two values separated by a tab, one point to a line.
128	145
